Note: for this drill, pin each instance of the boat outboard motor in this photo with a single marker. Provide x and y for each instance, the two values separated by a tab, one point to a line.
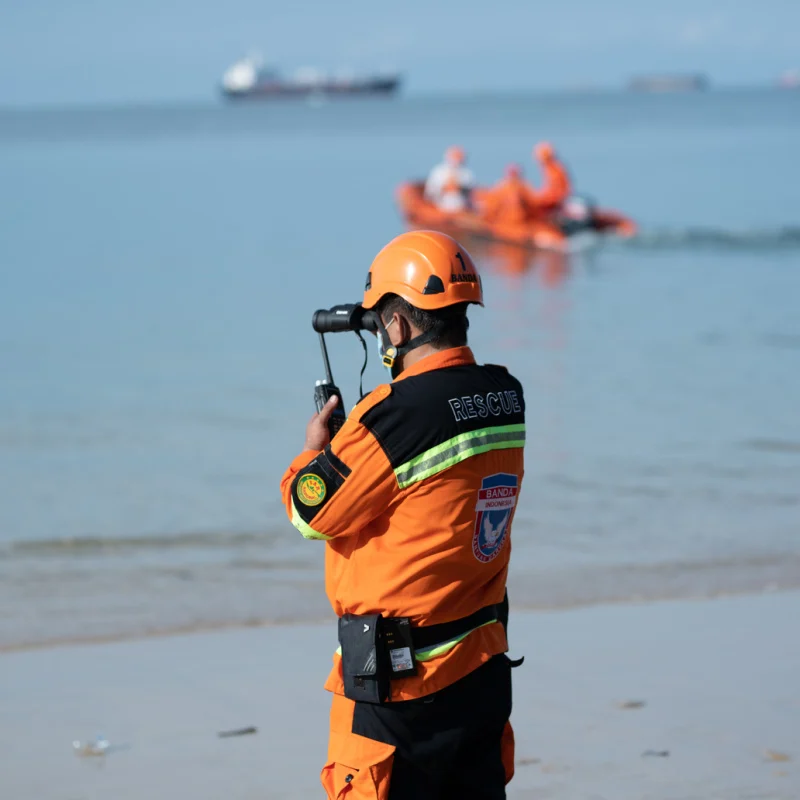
576	214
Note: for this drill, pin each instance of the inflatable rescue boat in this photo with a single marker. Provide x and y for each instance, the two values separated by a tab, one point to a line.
579	216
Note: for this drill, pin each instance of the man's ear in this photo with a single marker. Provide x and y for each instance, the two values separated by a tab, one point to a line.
400	332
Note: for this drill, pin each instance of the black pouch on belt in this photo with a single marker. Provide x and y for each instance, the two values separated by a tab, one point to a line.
366	678
375	651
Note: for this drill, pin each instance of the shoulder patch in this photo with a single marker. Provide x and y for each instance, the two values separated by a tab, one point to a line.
316	483
311	489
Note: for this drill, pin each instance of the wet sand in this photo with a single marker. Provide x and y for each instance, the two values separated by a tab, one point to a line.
693	699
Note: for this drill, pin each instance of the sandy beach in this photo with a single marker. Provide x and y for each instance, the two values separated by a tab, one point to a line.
692	699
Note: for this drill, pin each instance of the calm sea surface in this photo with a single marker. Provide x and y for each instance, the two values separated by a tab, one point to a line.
158	271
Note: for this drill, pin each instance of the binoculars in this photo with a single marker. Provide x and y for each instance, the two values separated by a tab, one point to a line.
345	317
341	318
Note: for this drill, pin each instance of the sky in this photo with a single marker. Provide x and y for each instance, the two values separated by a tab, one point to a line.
142	51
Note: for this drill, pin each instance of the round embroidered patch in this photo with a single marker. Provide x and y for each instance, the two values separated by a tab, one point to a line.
311	489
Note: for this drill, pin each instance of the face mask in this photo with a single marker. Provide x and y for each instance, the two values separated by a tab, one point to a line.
382	348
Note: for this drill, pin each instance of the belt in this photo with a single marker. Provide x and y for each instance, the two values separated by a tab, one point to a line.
430	636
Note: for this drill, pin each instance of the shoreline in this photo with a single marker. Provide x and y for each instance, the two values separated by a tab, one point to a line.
180	631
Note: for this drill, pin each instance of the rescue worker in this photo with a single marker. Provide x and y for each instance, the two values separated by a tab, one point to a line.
556	184
510	201
414	499
450	183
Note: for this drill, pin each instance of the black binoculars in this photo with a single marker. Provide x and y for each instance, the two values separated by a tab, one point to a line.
345	317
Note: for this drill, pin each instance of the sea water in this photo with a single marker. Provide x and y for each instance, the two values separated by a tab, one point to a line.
159	267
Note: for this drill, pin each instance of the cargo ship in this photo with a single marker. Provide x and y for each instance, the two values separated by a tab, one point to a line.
248	78
668	83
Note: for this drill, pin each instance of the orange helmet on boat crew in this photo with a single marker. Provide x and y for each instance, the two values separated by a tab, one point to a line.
544	151
455	155
428	269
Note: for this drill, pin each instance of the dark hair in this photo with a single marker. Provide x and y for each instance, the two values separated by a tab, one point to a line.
451	321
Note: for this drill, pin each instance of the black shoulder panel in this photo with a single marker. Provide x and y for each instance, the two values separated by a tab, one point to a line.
426	410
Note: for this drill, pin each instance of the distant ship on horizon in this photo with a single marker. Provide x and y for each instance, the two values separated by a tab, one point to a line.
249	78
668	83
790	79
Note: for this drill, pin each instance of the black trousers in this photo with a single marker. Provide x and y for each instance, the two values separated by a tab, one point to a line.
448	745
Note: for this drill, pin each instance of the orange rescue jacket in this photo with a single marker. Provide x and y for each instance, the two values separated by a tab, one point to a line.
511	201
556	187
414	498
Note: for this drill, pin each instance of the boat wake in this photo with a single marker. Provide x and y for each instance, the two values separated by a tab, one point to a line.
760	239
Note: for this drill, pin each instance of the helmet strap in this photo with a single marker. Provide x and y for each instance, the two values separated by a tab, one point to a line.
390	353
387	350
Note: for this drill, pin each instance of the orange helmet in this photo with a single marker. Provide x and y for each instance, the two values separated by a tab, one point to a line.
513	171
455	155
544	151
428	269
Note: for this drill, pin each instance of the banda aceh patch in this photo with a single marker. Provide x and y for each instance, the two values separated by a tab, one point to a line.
496	500
311	489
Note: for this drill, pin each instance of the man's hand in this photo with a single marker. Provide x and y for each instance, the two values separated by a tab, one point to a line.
317	434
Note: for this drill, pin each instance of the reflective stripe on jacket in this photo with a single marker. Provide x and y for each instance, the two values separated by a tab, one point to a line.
415	498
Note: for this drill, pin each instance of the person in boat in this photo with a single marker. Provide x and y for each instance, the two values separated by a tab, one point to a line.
449	185
512	200
556	185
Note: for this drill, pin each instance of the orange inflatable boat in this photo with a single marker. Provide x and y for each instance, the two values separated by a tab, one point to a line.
579	216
